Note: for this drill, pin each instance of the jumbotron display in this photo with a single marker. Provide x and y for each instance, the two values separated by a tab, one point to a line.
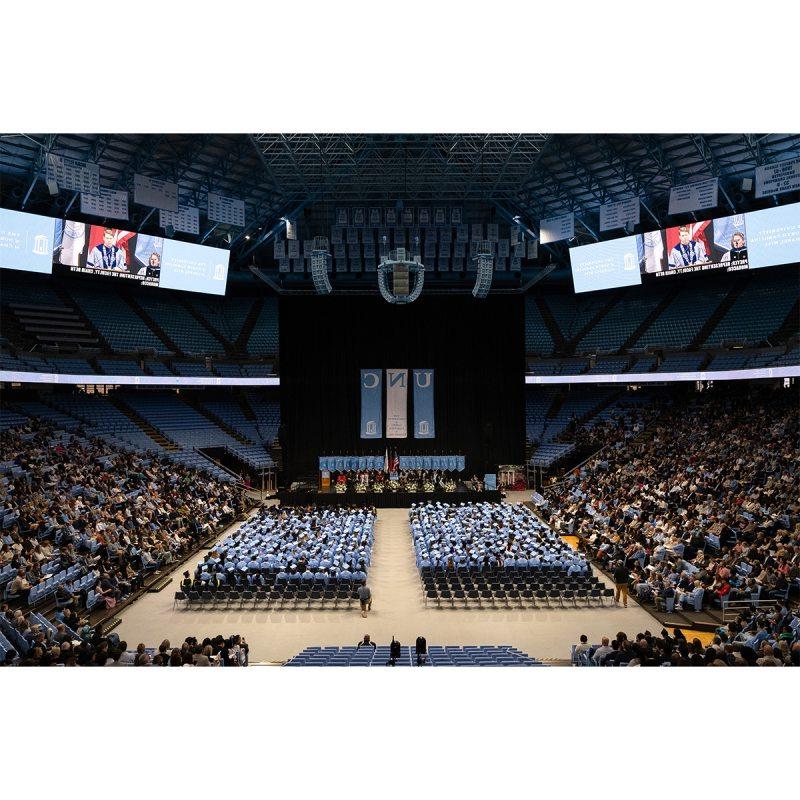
150	260
740	241
33	243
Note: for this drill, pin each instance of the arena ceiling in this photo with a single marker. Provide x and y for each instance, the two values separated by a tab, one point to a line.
531	175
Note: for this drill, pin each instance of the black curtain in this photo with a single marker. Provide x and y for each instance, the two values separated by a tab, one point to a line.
476	348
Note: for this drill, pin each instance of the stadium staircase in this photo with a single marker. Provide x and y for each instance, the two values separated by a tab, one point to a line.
227	346
649	319
790	329
719	312
153	326
191	400
552	326
67	300
555	406
142	423
574	341
63	327
249	323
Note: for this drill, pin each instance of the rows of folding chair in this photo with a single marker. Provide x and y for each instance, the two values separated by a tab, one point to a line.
533	588
295	596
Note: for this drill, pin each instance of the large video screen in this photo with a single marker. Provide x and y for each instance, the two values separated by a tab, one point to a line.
147	259
606	264
26	241
194	267
696	246
774	236
739	241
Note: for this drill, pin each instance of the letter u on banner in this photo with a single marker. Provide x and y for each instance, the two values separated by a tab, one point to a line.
424	427
371	396
396	402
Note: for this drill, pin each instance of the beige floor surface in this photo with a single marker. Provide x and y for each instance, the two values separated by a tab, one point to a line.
398	610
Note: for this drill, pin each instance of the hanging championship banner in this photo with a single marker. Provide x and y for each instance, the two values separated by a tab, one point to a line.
424	427
72	174
341	217
693	196
391	216
358	217
554	229
371	395
279	249
456	215
186	219
618	215
476	232
492	232
424	216
778	178
112	203
408	216
396	402
439	216
228	210
155	193
375	217
533	249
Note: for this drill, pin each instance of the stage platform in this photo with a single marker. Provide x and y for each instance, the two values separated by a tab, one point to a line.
384	499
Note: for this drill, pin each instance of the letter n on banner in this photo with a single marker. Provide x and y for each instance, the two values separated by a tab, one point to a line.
371	396
396	402
424	426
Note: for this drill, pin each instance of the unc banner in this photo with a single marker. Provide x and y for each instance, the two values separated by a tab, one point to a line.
371	391
424	427
396	402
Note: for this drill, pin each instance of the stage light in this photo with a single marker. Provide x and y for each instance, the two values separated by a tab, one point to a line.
247	237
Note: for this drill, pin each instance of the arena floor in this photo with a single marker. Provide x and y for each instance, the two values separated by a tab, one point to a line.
398	610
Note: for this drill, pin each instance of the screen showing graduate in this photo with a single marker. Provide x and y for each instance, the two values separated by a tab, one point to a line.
100	250
695	246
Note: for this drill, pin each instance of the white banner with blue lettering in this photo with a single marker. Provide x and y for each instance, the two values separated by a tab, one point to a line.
371	395
424	427
396	403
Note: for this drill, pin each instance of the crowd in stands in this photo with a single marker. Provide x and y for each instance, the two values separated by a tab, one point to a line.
291	544
488	536
85	522
763	638
704	509
41	643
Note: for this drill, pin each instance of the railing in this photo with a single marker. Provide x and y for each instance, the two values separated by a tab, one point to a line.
732	608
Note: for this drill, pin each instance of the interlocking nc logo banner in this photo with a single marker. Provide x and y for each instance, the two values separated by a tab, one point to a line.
371	396
424	427
396	404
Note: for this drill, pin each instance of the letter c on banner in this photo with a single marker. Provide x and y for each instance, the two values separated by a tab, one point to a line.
375	378
420	375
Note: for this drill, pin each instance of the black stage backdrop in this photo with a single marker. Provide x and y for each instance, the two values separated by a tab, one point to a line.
476	348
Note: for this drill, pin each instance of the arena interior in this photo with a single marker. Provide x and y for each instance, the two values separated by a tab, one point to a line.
317	362
497	400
